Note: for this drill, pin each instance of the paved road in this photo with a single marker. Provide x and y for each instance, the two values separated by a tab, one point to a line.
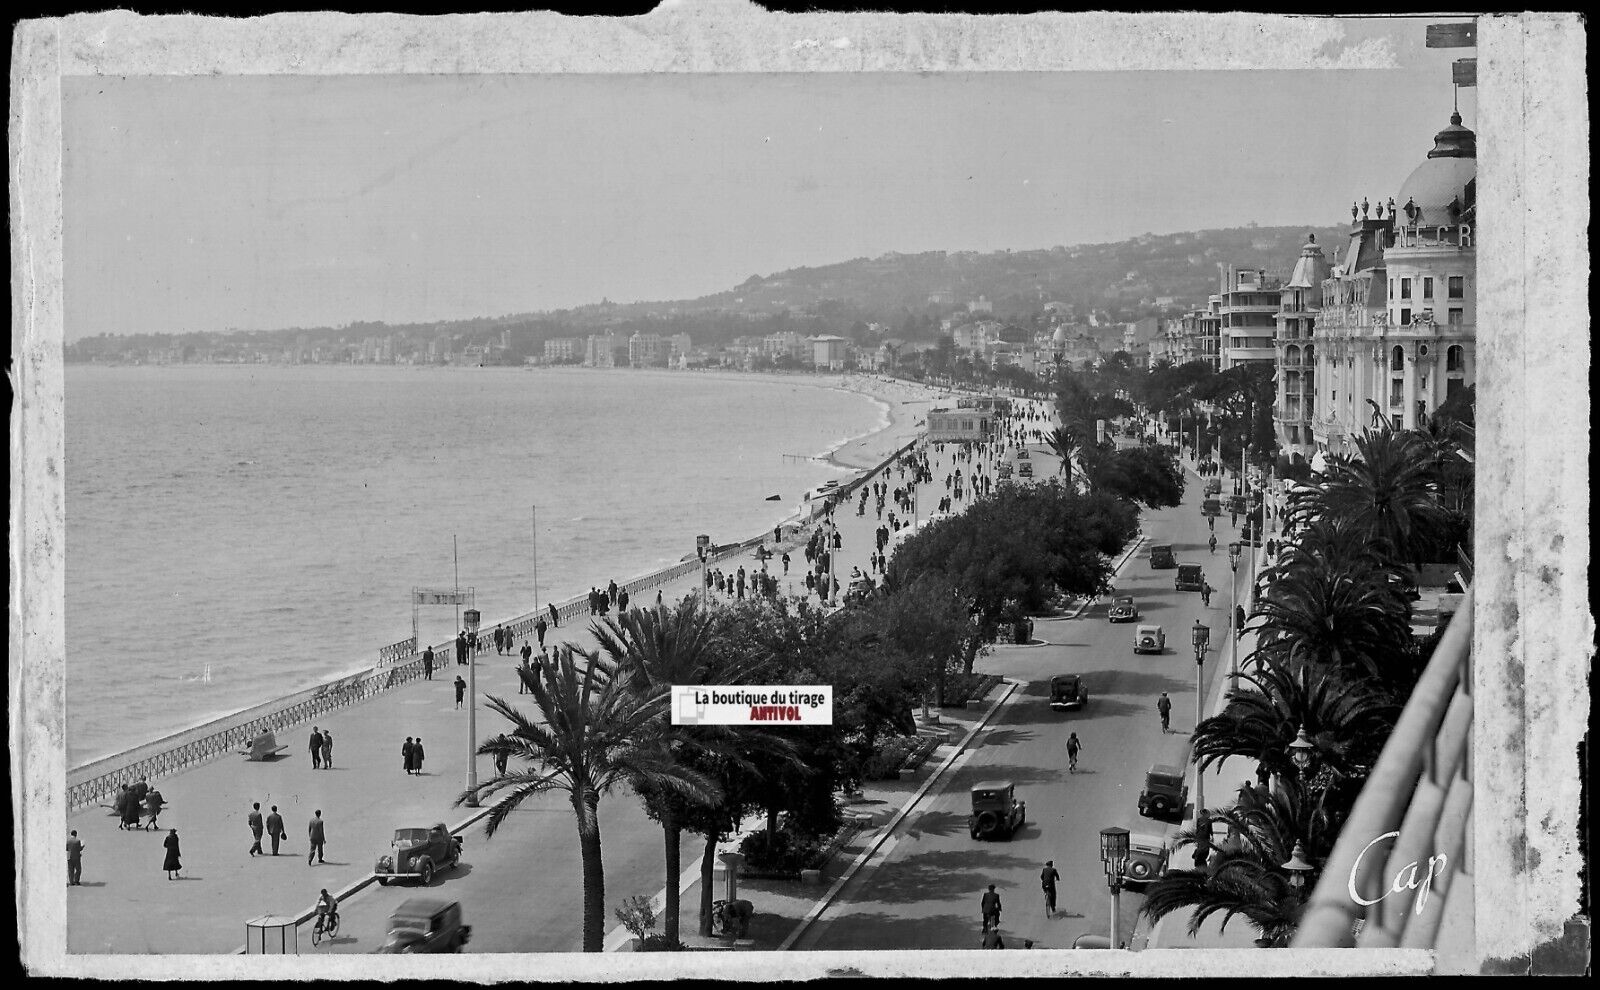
924	890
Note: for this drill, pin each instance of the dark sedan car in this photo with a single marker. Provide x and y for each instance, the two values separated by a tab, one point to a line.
1067	691
1123	609
426	924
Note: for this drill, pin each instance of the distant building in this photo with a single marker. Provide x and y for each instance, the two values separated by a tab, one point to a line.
959	425
600	350
829	351
980	305
562	349
1249	300
1297	320
647	350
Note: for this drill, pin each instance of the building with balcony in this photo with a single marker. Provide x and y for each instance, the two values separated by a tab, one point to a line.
1397	332
563	349
1247	311
647	350
1300	301
600	350
959	425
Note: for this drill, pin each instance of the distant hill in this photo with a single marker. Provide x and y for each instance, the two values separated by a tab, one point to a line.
1144	276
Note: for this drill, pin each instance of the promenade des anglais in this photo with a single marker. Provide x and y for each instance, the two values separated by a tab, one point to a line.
606	525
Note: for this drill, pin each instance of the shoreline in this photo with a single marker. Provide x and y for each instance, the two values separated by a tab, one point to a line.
900	405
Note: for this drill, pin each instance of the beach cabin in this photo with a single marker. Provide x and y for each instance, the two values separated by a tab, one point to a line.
960	425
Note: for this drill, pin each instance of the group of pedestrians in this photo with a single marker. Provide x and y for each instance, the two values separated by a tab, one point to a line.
411	755
136	800
321	747
602	602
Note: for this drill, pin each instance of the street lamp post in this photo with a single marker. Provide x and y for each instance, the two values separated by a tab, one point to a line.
1114	857
1200	635
702	548
1301	752
1233	603
471	618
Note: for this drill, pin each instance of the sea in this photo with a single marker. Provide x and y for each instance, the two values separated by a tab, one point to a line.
235	533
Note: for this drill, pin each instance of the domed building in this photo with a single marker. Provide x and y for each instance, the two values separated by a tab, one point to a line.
1396	326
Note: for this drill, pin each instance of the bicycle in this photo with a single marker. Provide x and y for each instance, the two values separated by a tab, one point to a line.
327	927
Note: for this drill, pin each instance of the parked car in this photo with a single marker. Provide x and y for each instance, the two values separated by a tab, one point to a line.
1149	639
1147	858
1161	557
1025	469
1022	453
1088	941
416	853
1122	609
426	924
860	589
1190	578
995	810
1005	469
1067	691
1165	794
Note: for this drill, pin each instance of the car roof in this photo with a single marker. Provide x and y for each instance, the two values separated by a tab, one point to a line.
1183	566
1144	628
1123	598
1065	677
423	906
1161	546
991	785
1147	840
1163	770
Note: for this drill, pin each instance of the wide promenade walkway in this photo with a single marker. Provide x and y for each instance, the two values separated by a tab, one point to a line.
126	904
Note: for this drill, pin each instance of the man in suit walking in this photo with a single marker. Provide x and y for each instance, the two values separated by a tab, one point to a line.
275	829
315	833
427	664
74	860
316	748
256	826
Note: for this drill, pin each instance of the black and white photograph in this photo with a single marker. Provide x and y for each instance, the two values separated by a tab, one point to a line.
849	488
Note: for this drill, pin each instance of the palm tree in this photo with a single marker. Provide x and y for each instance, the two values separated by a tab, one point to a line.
1338	613
1347	721
1389	489
660	647
1065	442
594	732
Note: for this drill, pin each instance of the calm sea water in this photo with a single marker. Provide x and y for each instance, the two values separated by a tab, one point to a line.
236	533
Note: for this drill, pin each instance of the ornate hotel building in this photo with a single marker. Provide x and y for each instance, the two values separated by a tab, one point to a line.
1396	325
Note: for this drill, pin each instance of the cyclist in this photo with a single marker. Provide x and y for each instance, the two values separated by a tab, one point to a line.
1213	542
1205	591
327	912
1072	752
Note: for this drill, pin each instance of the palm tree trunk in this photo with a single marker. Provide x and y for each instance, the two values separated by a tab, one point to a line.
707	879
673	836
594	873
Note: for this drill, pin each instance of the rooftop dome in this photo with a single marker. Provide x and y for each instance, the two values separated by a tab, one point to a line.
1443	178
1060	336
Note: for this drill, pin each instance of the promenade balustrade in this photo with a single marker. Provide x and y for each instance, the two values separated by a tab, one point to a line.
1419	795
98	781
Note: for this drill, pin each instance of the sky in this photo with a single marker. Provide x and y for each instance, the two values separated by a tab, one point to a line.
216	202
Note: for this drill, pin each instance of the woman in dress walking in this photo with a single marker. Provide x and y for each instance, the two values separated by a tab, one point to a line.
171	864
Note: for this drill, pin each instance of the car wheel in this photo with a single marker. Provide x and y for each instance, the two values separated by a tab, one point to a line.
426	872
1138	870
383	881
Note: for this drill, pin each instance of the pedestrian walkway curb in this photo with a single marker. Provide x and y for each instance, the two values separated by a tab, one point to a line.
894	823
344	893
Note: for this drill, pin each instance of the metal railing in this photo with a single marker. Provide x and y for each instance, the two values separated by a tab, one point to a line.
98	781
1420	796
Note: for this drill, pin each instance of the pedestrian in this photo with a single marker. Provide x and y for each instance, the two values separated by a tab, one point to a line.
499	641
611	591
990	905
327	750
427	664
1205	593
555	619
1164	706
406	750
123	806
317	836
140	789
152	804
539	629
472	643
527	652
658	598
461	690
461	648
275	830
1073	746
172	863
416	755
1047	880
74	860
500	759
256	828
777	533
622	600
1238	621
316	748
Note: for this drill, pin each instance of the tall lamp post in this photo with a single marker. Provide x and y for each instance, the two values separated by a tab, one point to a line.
1233	603
1114	857
471	618
702	548
1200	635
1301	752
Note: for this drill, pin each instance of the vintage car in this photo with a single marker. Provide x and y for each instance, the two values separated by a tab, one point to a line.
1022	453
415	853
860	590
1165	794
1005	469
1190	577
426	924
1122	609
1214	486
1067	691
1025	469
1147	858
1161	557
995	810
1149	639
